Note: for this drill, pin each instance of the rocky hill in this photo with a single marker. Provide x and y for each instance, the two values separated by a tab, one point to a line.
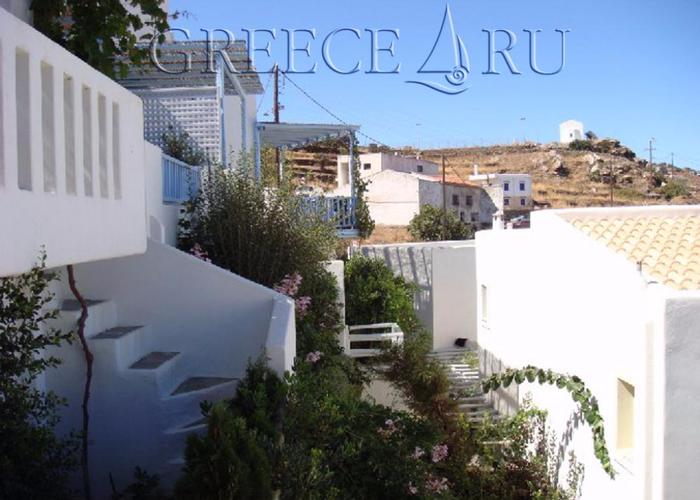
578	175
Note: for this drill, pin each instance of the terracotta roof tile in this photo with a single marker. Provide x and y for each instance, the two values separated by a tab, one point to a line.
668	246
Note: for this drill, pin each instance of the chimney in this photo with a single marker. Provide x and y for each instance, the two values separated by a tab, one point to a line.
476	169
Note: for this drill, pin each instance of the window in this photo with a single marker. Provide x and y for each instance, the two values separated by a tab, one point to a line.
461	216
455	200
470	200
522	202
419	168
506	202
625	419
484	303
522	186
367	166
506	186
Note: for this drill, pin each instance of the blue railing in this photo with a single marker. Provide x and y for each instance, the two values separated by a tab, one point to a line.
181	182
339	209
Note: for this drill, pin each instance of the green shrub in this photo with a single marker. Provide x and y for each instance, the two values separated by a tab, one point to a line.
373	294
228	463
674	188
434	224
582	145
180	146
318	329
258	233
34	462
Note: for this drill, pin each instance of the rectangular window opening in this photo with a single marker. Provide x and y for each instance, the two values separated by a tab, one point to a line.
455	200
522	186
625	419
367	166
87	141
24	130
102	144
48	128
116	156
69	128
506	186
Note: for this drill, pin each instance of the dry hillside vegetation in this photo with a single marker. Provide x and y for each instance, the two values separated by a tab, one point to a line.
563	177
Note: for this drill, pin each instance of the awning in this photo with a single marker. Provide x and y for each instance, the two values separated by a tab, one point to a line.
293	135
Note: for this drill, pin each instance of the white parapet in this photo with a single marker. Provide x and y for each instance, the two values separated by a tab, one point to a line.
71	156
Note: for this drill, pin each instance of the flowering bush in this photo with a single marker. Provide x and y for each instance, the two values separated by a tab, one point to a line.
289	286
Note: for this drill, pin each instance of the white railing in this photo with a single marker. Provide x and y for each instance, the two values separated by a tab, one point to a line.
181	182
371	338
71	156
339	209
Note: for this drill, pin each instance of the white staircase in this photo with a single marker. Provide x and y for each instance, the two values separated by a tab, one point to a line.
465	384
144	400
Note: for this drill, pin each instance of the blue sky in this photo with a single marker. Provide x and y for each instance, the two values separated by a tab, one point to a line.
632	69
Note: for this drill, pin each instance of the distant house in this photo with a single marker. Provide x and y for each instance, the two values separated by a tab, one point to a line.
516	191
611	295
570	130
399	186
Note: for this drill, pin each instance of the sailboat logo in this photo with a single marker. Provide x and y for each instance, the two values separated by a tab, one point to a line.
454	76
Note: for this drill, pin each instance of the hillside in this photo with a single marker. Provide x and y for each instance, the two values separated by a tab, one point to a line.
562	177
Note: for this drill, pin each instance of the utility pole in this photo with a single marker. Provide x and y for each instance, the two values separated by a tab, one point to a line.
612	185
651	149
673	163
276	111
444	201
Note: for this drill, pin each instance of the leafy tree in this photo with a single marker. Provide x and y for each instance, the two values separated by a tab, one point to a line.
591	136
34	462
436	224
100	32
373	294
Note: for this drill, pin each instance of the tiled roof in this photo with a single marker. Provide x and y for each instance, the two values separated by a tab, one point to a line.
668	246
449	179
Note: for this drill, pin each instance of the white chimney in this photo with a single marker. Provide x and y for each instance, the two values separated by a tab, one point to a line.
476	169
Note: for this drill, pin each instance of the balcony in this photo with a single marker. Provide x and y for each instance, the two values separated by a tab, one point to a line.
71	156
181	182
340	210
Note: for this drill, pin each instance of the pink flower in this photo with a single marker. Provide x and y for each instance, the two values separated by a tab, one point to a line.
200	253
390	428
314	357
439	452
301	305
435	484
418	453
289	285
412	490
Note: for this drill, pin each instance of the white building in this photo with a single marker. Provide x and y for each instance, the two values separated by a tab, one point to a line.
570	130
167	330
398	186
611	295
373	163
516	190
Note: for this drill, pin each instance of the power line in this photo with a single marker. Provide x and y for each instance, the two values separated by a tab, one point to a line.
331	113
262	97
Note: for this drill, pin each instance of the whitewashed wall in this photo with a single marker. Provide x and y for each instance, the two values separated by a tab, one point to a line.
556	299
71	156
444	273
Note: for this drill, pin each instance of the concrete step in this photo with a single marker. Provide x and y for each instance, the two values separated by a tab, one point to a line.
181	406
102	315
156	368
121	346
154	360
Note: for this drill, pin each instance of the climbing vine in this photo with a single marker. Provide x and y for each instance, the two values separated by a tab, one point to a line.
581	395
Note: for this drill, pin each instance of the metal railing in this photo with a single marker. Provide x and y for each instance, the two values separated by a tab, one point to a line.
181	182
370	338
339	209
